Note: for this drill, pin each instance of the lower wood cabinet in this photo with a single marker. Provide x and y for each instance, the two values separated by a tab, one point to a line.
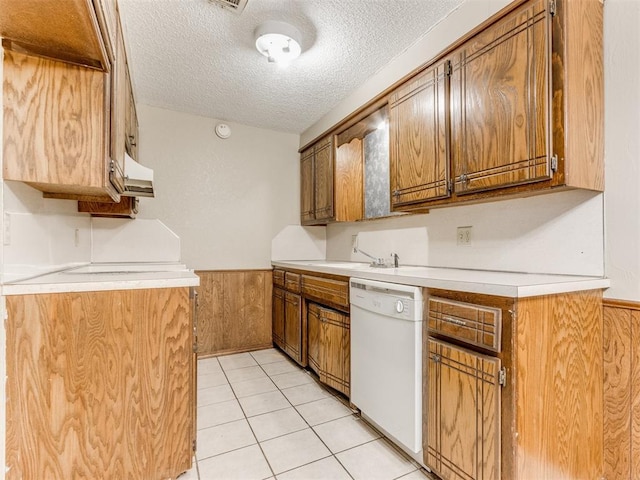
234	311
277	317
311	323
293	342
463	435
513	387
100	384
328	340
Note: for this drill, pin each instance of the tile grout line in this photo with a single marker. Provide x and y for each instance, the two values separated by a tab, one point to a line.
331	454
291	405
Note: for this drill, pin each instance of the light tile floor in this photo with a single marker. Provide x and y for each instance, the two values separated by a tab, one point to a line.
260	416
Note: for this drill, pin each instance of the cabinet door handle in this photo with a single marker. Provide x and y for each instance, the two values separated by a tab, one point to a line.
436	358
455	321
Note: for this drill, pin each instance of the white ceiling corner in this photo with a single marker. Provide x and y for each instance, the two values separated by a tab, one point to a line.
193	56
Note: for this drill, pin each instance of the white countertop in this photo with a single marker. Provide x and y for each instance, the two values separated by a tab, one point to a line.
505	284
106	276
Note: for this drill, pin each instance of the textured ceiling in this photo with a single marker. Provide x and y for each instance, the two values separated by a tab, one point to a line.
193	56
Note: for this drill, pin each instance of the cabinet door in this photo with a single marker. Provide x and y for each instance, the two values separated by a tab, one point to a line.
278	317
323	173
293	326
335	366
419	156
314	349
306	186
463	419
500	103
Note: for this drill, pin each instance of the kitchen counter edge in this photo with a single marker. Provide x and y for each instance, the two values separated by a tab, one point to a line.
503	284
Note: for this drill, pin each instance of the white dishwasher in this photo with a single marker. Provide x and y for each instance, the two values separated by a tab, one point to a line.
386	359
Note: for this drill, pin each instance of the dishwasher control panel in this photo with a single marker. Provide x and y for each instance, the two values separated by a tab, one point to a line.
392	300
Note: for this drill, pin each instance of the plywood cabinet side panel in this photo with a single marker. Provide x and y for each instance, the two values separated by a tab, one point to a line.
559	425
618	360
583	72
349	182
54	123
210	312
100	384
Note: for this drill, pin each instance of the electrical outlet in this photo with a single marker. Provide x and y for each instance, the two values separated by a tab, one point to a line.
463	237
354	243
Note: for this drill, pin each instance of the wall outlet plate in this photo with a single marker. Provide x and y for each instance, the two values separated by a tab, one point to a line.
463	236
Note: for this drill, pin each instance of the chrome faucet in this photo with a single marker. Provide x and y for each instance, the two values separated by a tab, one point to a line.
377	262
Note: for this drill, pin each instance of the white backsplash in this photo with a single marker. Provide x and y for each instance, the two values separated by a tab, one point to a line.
40	243
294	242
410	244
140	240
557	233
43	243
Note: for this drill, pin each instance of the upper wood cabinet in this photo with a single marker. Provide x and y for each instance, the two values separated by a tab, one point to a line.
419	153
56	126
67	127
307	187
515	107
500	103
330	184
68	30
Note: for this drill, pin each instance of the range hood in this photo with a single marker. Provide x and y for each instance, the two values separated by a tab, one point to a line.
138	179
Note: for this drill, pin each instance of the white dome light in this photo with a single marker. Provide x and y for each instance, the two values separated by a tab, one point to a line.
278	41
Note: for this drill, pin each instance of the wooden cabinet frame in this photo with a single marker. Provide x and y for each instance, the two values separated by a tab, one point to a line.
555	125
552	393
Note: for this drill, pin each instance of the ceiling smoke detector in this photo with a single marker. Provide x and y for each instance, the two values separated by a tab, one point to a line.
236	6
278	41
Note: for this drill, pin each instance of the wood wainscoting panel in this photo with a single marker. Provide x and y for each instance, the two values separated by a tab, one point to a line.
621	389
559	379
99	384
234	311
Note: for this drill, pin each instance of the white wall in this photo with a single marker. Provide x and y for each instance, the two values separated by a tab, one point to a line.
225	199
622	148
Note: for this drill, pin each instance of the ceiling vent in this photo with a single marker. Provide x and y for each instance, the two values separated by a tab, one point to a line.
236	6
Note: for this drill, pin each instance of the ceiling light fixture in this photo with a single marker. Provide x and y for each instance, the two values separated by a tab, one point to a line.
278	41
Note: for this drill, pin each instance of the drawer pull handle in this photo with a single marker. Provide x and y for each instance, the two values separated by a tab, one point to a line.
455	321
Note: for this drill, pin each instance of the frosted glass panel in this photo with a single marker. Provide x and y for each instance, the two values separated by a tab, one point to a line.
376	173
